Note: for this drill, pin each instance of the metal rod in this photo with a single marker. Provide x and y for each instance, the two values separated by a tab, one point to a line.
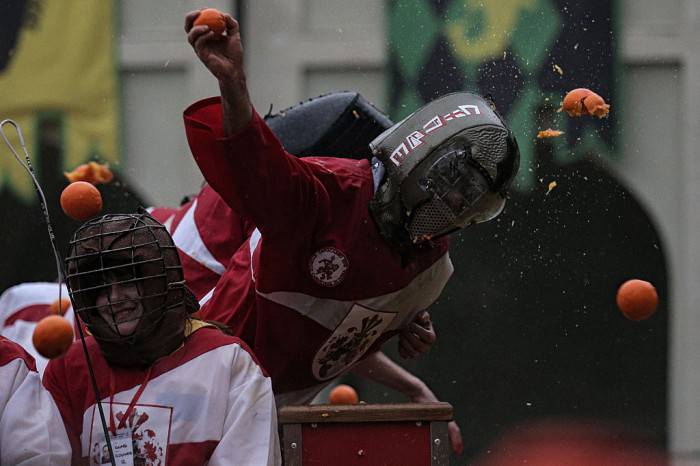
27	165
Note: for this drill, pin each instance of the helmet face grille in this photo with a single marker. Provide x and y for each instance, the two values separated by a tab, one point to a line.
430	219
123	268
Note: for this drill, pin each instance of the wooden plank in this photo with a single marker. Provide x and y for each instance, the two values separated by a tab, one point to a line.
366	413
439	444
291	444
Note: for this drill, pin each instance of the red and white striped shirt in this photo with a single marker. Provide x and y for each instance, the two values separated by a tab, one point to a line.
22	306
31	431
207	233
206	403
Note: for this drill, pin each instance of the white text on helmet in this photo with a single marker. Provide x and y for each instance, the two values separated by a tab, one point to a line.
437	122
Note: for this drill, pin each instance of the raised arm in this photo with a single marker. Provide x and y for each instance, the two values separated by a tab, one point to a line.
223	57
237	153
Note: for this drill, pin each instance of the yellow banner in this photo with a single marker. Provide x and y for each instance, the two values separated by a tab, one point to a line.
63	62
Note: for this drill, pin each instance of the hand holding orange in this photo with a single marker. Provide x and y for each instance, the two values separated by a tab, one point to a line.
213	18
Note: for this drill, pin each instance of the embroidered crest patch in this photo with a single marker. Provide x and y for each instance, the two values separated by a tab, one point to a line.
328	266
350	340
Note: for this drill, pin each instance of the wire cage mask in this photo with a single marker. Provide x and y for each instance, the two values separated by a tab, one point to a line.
124	275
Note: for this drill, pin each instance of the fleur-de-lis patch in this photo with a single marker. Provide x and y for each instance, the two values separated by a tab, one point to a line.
350	340
328	266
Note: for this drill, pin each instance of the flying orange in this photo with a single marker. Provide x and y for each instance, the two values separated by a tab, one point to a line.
637	299
59	307
52	336
81	200
584	101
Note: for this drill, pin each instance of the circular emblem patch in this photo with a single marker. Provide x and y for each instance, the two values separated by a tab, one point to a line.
328	266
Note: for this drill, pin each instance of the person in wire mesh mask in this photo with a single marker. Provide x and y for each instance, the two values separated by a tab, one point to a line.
126	282
448	165
152	365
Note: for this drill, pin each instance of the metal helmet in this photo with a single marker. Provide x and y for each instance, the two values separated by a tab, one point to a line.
127	284
448	165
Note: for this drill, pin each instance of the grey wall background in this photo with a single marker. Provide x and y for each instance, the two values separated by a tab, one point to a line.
299	48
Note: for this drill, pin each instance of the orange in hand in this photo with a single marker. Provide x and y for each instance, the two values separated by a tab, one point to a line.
637	299
59	307
52	336
213	18
81	200
343	395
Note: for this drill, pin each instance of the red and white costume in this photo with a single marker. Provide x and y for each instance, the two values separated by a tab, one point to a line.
22	306
31	431
207	233
206	403
315	287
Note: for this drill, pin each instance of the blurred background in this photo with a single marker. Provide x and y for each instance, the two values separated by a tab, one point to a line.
528	327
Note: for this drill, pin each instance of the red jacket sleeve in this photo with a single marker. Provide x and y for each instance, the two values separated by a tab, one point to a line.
253	173
55	381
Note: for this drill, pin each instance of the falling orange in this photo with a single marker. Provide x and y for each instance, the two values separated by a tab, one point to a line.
52	336
637	299
81	200
584	101
92	172
59	307
596	106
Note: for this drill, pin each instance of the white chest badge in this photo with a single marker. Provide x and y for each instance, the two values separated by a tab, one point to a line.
328	266
143	441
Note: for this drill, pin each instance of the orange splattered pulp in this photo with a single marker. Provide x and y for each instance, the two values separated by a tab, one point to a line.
584	101
549	133
92	172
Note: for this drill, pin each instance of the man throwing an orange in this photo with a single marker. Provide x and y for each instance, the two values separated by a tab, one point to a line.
346	253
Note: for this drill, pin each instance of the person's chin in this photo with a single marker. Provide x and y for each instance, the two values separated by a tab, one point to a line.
125	329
